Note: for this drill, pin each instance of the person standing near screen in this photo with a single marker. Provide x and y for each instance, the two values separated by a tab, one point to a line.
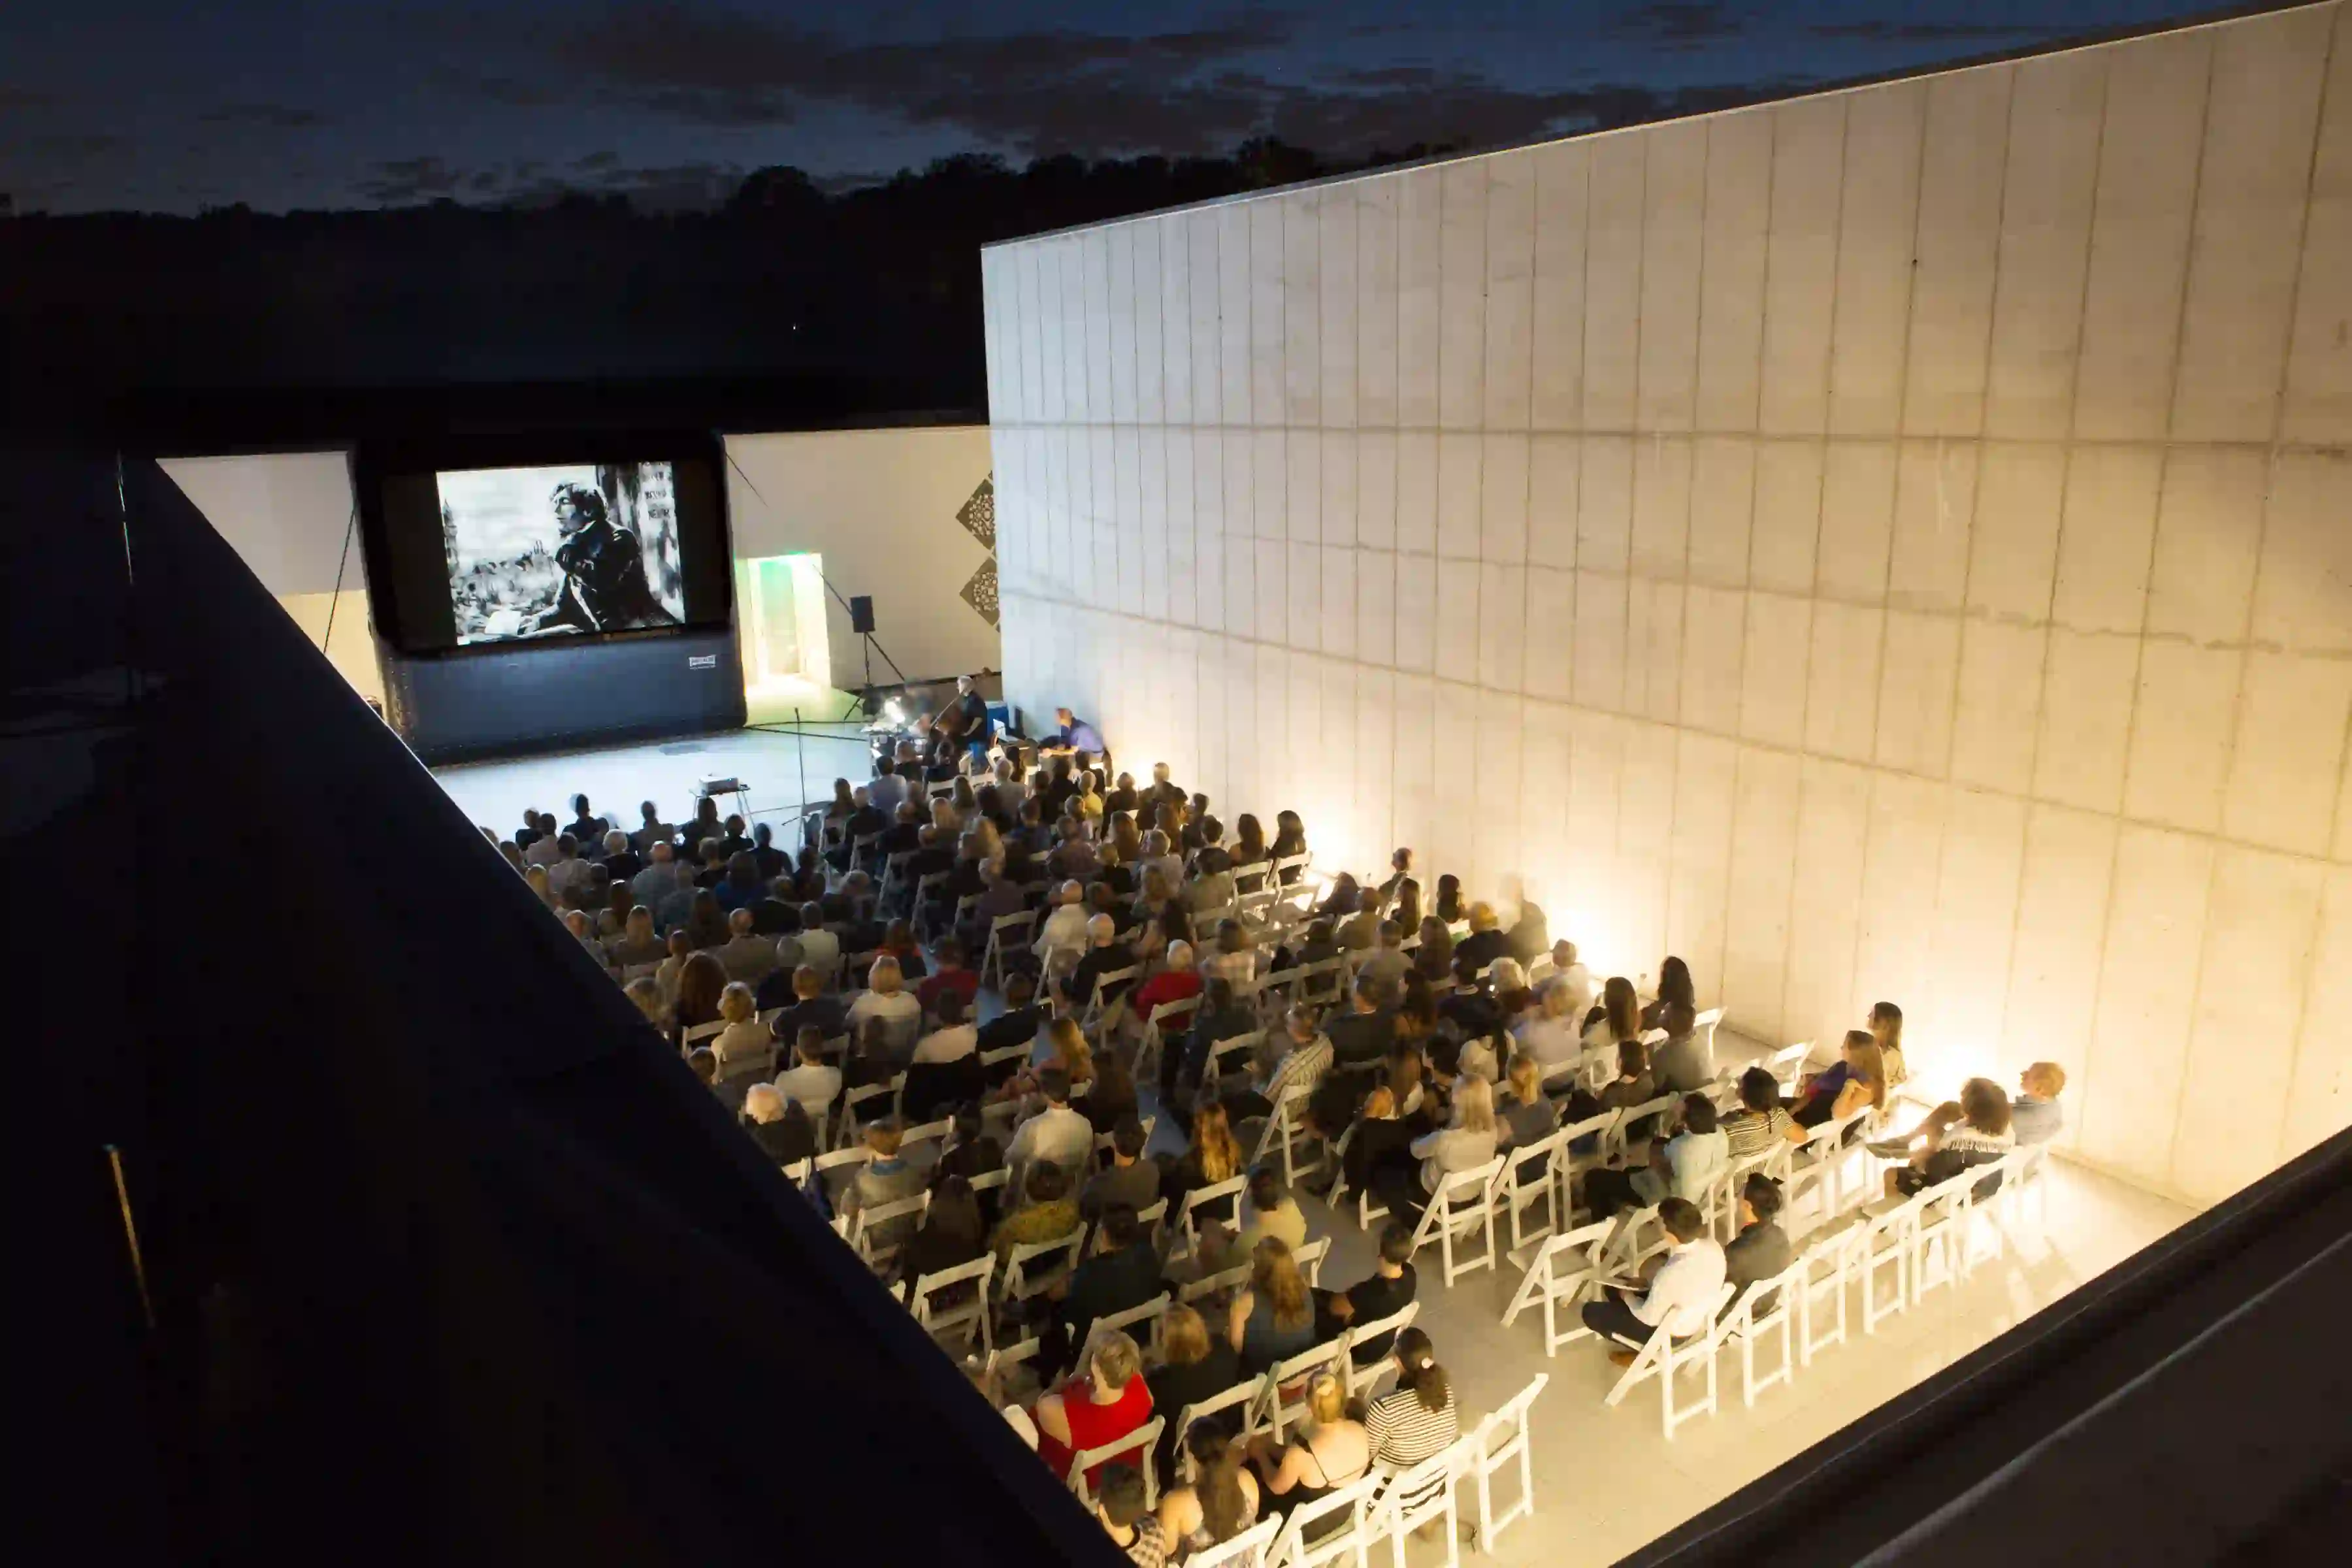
976	729
604	570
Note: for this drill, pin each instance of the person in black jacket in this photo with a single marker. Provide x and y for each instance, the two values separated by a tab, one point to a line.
603	571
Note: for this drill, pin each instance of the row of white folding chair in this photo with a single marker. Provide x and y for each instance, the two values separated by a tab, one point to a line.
1135	1448
1166	1022
1151	1317
1213	1068
867	1220
1236	1277
968	1316
1284	1131
1460	1209
1003	933
1828	1175
1574	1266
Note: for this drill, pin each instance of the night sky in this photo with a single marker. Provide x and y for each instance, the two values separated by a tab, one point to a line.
159	105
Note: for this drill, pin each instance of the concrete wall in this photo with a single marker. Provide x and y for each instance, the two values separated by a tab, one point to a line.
1894	544
879	505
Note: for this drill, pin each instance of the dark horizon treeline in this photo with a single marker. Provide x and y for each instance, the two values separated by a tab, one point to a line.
873	293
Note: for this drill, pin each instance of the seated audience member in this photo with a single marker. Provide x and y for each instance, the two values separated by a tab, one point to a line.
951	976
820	945
1568	970
945	1070
1527	1114
1220	1016
1550	1035
886	790
744	1038
1978	1135
1304	1061
1388	962
952	1234
1046	1211
1056	1135
1289	843
1104	957
1432	960
1019	1023
1110	1095
1387	1290
646	991
1195	1366
1274	1318
1399	896
586	826
1219	1502
1467	1008
1269	1210
1130	1179
954	1040
972	1152
1478	1056
701	981
1213	1156
1361	1033
897	944
783	1137
807	1006
1682	1061
1681	1295
1632	1086
886	998
1761	1250
741	886
1686	1165
810	1082
1419	1421
1856	1081
1675	991
705	921
1530	934
1133	1527
1485	943
1107	1402
535	878
1759	1122
1065	928
637	945
887	1178
1887	1028
2035	1114
704	1061
1467	1142
1382	1141
1235	960
1619	1015
1330	1450
1177	981
652	830
582	927
1123	1272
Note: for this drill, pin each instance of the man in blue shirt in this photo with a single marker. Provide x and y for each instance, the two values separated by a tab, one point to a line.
1075	735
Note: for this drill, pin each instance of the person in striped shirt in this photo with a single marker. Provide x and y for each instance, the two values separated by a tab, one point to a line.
1418	1420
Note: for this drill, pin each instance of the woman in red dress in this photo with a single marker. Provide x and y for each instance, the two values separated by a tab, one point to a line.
1105	1404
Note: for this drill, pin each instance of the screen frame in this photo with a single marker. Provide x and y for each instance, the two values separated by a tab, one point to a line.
376	464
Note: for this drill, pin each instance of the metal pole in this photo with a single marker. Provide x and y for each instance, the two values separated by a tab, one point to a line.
130	1235
800	754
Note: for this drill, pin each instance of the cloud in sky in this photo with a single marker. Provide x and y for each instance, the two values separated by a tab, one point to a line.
266	116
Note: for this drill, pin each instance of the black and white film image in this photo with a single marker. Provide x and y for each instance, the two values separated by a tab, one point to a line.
546	552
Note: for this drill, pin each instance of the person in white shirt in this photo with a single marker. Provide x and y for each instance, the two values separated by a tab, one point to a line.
887	998
886	791
810	1080
1570	973
1550	1036
544	849
820	948
1065	928
1055	1135
954	1040
1682	1294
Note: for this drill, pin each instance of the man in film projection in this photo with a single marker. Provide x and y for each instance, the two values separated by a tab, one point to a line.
604	570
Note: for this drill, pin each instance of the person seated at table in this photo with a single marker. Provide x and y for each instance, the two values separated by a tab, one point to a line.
1681	1296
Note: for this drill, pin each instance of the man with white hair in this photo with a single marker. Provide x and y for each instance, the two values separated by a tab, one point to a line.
745	954
620	861
1102	957
654	885
1065	928
1162	793
783	1142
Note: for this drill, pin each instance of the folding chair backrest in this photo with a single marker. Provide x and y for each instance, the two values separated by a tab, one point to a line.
1137	1447
1359	1377
1020	1281
1244	1397
700	1032
1147	1316
1313	1535
1248	1550
1419	1493
1209	1285
1309	1257
929	1286
1187	1230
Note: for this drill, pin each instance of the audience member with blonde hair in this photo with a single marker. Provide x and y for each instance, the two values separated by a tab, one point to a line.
1104	1402
886	997
646	991
744	1038
778	1125
887	1178
637	945
1467	1140
1330	1451
1219	1502
1273	1319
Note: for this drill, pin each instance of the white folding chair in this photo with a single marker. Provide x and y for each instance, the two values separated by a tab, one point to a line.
1786	1065
1099	1014
991	958
1363	1377
1567	1271
1882	1256
965	1317
697	1033
927	1132
1425	1493
1034	1267
1284	1130
1662	1358
1214	1068
1503	1440
1764	1309
1154	1220
1822	1272
849	1129
1212	1285
1532	1174
1309	1256
1138	1445
1248	1550
869	1220
1284	1404
1617	1141
1309	1539
991	1060
1938	1240
1149	1317
1458	1210
2025	1186
1188	1232
1244	1397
